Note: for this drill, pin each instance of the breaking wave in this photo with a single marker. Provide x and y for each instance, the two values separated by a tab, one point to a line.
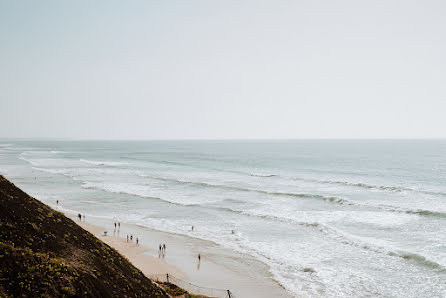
426	213
103	163
133	190
330	199
370	186
418	259
348	239
263	175
28	161
389	188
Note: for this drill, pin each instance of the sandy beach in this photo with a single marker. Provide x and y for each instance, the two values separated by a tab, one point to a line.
135	253
218	269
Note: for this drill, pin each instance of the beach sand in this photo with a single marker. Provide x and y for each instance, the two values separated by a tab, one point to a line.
135	253
219	268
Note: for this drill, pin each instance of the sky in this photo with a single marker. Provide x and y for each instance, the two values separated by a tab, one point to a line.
222	69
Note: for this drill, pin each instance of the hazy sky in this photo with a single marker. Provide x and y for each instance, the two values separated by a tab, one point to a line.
222	69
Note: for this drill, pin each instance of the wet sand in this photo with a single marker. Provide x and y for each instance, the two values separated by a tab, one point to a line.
135	253
219	268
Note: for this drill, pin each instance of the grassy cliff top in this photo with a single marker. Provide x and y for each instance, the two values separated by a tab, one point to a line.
44	253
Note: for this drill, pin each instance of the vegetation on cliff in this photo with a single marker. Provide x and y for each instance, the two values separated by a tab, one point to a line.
44	253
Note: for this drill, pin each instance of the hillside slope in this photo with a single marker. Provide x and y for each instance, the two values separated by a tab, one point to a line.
44	253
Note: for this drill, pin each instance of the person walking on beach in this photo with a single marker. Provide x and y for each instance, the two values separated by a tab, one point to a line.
115	225
119	225
84	217
80	217
199	257
164	247
57	202
131	238
192	228
137	240
127	237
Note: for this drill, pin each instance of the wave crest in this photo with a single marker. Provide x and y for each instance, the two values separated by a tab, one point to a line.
330	199
418	259
262	175
104	163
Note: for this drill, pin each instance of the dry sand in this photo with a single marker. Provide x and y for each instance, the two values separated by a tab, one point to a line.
148	265
218	269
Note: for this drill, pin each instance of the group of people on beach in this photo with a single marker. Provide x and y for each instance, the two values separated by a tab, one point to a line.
117	225
161	247
162	250
118	228
80	216
131	239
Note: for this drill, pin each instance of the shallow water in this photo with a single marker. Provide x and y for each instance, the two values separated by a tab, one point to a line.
328	218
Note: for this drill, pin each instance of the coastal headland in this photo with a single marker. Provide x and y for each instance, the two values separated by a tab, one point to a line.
44	253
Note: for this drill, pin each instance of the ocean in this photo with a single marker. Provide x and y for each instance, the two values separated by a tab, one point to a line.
330	218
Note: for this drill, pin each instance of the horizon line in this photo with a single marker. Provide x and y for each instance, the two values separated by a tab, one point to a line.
222	139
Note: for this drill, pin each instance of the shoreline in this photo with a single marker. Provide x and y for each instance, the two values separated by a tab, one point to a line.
219	268
148	265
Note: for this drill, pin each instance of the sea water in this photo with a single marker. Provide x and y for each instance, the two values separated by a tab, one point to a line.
329	218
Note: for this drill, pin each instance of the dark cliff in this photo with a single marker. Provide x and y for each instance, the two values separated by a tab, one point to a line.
44	253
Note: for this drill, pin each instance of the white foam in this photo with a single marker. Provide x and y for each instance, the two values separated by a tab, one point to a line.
263	175
53	171
29	161
104	163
